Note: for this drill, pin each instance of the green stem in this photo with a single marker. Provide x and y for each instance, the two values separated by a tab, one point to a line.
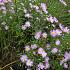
9	64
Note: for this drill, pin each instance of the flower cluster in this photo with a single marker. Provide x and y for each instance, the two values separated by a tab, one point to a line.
65	59
52	19
35	33
4	8
55	33
24	58
27	24
39	35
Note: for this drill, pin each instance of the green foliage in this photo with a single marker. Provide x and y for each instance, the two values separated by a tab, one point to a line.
13	40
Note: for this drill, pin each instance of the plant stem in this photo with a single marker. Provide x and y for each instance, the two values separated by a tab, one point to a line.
9	64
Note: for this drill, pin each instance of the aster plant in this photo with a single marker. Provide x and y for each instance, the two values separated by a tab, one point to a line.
34	34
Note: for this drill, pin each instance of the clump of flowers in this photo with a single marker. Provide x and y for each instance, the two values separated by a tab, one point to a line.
27	24
41	35
34	34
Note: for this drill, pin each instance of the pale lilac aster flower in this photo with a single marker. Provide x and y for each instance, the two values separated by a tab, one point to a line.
27	48
44	54
67	55
28	69
66	58
3	1
44	35
34	52
61	26
48	46
62	61
36	8
59	32
38	69
47	65
41	66
47	59
69	11
29	63
38	35
57	42
34	46
54	50
28	15
53	33
65	65
55	20
24	58
40	50
44	8
23	27
27	24
50	19
3	7
66	30
43	5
